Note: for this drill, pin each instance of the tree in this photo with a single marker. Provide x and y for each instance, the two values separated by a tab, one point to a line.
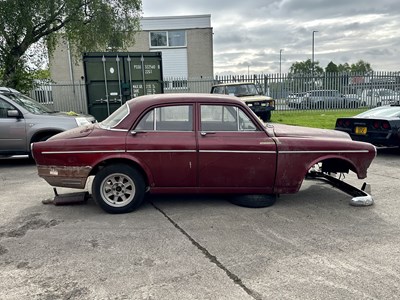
88	24
331	68
361	67
306	68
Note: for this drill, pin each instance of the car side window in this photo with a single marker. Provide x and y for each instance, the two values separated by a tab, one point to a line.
4	108
225	118
168	118
219	90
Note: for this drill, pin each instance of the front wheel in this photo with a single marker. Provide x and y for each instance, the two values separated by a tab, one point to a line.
118	189
253	201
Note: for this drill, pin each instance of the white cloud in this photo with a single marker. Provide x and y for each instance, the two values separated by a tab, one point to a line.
249	34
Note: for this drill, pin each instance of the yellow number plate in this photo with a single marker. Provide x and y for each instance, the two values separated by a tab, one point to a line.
361	130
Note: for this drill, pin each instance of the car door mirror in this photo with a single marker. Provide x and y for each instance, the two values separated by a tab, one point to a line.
13	113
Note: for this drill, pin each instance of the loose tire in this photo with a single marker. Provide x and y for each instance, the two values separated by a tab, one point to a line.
118	189
253	201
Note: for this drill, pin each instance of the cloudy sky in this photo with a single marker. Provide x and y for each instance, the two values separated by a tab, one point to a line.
248	35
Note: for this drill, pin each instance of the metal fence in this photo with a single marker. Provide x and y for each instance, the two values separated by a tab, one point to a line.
62	96
291	92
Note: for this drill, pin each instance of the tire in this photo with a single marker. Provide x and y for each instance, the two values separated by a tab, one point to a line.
253	201
118	189
266	116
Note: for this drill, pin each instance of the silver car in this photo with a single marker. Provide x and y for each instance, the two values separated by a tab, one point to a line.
24	121
322	99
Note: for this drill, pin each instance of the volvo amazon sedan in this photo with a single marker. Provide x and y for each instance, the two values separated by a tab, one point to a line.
193	143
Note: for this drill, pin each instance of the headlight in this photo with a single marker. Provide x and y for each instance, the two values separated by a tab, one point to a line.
249	104
263	104
82	121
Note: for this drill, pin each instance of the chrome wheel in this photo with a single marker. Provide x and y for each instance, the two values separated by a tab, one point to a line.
118	190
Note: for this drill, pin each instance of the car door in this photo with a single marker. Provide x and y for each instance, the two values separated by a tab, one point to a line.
12	130
234	153
164	141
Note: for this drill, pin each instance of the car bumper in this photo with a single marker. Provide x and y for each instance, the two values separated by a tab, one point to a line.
65	176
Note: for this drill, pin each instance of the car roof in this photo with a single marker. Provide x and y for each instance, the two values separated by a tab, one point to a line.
6	90
322	91
386	111
150	100
142	103
234	83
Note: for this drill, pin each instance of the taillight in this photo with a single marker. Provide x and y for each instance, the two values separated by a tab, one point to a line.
339	123
385	125
347	123
376	124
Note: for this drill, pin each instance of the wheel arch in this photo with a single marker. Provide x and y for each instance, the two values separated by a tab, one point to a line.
334	164
290	177
40	135
141	168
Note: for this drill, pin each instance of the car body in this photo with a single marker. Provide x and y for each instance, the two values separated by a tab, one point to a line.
296	100
321	99
192	143
379	97
379	126
24	121
249	93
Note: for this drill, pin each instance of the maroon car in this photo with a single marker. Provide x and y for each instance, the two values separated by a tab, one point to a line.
193	143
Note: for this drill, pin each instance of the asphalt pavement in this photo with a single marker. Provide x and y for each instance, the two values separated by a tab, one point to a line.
309	245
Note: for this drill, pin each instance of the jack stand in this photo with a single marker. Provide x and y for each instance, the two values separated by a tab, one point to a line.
66	199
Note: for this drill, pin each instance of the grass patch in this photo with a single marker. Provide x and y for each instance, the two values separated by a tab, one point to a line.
313	118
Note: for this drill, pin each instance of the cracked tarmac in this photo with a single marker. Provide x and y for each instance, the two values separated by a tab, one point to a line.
311	245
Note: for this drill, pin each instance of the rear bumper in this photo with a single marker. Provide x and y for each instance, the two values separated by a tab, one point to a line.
65	176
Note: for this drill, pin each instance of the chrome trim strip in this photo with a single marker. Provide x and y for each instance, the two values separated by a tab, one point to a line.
203	151
237	151
323	151
83	152
114	129
161	151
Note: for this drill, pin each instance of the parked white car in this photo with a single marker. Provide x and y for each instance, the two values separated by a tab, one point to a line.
379	97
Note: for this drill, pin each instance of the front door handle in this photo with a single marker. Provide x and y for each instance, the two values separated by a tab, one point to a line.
204	133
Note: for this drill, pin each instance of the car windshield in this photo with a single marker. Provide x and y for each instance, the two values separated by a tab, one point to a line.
242	90
116	117
29	104
383	111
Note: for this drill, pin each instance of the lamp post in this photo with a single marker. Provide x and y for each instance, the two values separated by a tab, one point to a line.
280	61
312	54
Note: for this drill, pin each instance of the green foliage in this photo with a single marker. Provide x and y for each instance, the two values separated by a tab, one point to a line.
313	118
331	68
88	24
361	67
306	67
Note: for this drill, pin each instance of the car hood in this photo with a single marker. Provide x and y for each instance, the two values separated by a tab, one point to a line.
73	133
254	98
281	130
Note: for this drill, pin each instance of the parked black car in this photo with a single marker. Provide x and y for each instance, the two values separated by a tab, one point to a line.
379	126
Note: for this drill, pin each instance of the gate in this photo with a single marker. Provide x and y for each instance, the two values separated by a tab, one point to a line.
112	78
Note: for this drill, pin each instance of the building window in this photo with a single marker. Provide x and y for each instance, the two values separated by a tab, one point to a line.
173	38
158	39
